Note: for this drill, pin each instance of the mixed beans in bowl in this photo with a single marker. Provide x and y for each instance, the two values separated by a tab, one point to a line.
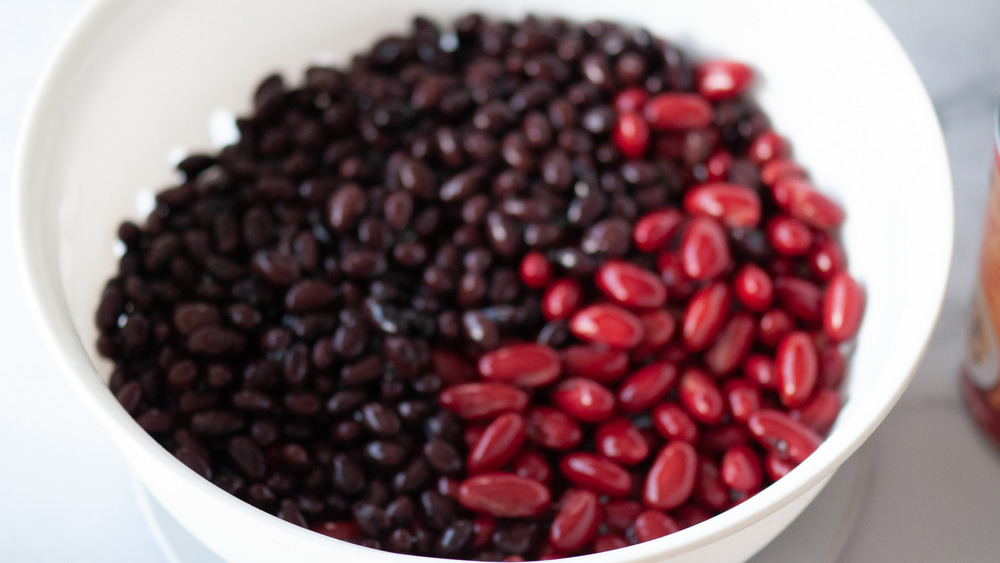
493	289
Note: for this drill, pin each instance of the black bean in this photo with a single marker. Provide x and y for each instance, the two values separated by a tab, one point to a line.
398	210
380	420
455	539
248	457
362	371
308	295
155	421
384	453
345	207
275	267
612	237
401	511
399	541
247	400
515	537
439	510
401	355
214	341
413	478
189	317
129	396
180	375
371	519
502	232
462	185
348	477
443	457
216	423
195	461
480	329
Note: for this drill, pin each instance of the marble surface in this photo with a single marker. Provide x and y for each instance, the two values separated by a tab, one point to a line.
934	491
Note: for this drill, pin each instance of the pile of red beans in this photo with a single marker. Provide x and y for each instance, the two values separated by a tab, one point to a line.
503	291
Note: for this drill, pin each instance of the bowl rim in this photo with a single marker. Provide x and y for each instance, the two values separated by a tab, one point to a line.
42	286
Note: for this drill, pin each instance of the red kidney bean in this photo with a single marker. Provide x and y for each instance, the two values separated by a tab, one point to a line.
843	306
630	100
743	398
652	524
631	135
630	285
777	467
796	368
620	514
608	542
819	412
596	473
532	465
831	367
783	436
621	442
679	285
523	365
741	469
773	326
800	297
477	401
689	515
345	530
607	324
674	423
646	387
788	236
677	110
576	523
752	287
800	199
732	344
719	438
672	476
826	258
553	429
709	489
536	272
704	250
600	364
778	169
658	329
705	316
504	495
584	399
717	166
700	396
498	444
721	79
654	230
562	298
768	146
735	205
760	370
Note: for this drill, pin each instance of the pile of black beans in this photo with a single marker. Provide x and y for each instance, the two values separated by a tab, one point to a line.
284	319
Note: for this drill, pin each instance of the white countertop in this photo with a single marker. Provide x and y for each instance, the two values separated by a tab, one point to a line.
934	494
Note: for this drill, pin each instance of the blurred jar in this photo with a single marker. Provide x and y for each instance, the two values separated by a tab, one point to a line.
980	375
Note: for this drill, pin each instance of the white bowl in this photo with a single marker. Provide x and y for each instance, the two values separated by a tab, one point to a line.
136	79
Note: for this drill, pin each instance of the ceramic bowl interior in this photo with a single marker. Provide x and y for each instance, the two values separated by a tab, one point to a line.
137	82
